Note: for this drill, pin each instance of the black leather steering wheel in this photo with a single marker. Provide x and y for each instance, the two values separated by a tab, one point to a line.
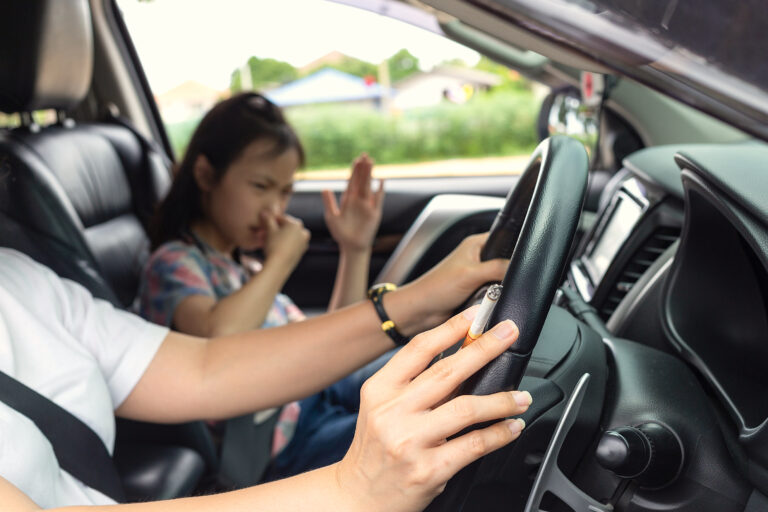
536	229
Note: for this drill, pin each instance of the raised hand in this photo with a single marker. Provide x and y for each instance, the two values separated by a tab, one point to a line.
354	222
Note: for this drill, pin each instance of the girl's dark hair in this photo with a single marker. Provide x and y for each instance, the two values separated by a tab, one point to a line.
222	135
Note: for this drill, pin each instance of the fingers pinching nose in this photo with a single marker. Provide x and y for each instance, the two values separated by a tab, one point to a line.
268	219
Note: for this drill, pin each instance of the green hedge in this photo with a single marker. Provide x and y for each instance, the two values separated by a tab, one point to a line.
179	134
496	123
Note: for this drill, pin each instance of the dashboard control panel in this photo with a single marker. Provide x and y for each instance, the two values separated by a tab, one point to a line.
637	222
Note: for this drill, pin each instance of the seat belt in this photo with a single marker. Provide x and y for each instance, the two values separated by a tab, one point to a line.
80	452
149	146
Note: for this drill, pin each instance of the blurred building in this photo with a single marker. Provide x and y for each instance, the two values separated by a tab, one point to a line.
330	86
455	84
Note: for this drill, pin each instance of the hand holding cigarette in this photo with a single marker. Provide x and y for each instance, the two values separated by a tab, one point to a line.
486	307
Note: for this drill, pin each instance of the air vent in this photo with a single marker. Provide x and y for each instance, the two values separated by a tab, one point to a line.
653	246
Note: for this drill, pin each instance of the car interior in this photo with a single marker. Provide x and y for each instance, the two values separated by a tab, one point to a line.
640	267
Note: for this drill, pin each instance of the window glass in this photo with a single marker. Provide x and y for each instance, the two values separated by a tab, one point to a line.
9	120
348	79
707	53
40	117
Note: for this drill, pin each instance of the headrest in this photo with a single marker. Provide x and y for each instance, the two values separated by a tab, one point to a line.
46	54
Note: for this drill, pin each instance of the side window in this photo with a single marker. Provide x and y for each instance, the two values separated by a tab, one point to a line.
9	120
348	79
40	117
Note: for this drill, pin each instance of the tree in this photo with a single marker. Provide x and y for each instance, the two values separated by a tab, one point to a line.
264	72
455	62
402	64
511	79
355	67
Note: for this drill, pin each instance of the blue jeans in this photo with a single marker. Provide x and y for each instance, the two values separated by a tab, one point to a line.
326	425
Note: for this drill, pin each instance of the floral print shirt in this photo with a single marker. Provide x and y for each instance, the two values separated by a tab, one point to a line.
182	268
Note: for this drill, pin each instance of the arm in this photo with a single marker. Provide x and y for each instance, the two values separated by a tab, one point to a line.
354	226
403	405
246	309
351	281
13	499
192	378
317	487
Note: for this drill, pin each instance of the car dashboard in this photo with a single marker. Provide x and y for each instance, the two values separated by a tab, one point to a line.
678	260
637	223
673	277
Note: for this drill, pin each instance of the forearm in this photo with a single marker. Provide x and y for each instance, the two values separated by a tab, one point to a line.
247	308
318	488
13	499
193	378
256	370
351	278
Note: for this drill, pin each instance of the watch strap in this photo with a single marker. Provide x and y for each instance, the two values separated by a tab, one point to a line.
376	294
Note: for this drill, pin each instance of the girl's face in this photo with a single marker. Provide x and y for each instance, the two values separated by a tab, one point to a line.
255	182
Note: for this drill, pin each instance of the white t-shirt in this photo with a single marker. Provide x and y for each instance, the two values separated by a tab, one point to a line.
78	351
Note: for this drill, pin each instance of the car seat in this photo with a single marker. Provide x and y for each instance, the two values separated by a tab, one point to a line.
76	197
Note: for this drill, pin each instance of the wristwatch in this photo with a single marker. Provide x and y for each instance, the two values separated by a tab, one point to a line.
375	293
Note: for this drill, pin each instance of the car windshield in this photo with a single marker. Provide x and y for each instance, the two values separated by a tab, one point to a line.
708	53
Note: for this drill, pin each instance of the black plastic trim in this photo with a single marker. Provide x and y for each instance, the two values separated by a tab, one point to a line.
136	71
697	190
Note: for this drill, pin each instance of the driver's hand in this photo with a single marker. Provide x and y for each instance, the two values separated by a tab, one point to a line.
401	458
451	282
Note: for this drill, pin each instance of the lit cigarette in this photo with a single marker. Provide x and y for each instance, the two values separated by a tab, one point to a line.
486	306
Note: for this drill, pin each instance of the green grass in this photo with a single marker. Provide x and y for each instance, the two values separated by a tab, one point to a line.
491	124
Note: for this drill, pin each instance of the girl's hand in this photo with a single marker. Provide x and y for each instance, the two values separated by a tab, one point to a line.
287	240
354	224
400	457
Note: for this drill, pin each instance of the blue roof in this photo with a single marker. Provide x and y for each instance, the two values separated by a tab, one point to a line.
325	86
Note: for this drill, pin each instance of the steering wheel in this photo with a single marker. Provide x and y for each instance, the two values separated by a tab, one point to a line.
536	229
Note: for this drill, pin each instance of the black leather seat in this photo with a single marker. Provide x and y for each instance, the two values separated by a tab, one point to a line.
76	197
106	184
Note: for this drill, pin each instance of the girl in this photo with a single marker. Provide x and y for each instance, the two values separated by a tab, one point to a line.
230	196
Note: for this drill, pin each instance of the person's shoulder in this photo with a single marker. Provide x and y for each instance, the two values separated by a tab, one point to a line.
13	262
12	256
176	252
26	279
